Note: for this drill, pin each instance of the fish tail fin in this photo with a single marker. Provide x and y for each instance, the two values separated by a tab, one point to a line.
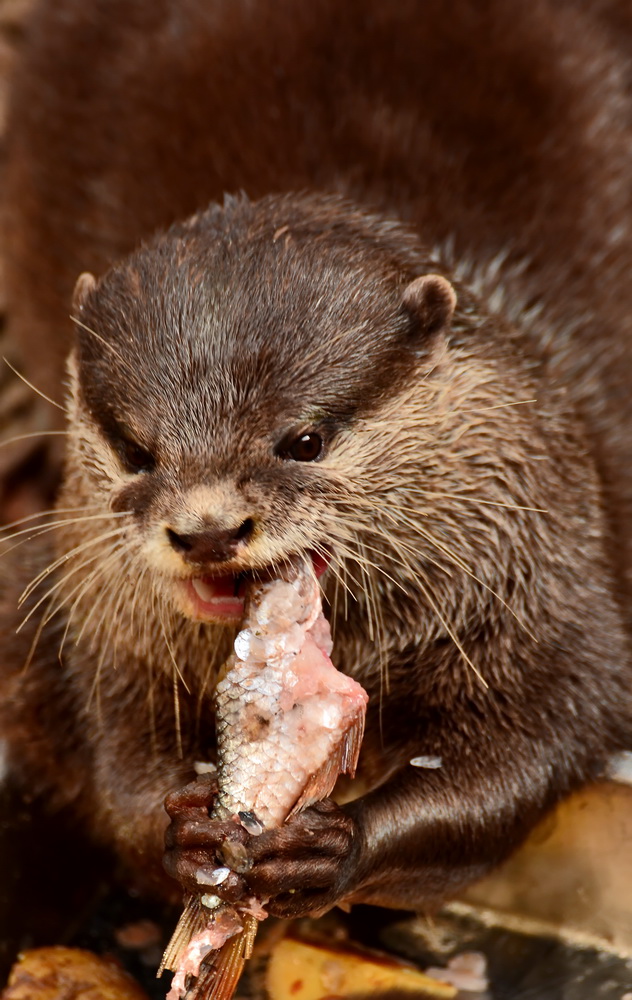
220	974
351	744
342	760
193	919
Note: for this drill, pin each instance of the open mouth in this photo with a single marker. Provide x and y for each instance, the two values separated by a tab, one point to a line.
221	598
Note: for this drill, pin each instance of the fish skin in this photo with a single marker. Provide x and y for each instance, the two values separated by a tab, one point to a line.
288	724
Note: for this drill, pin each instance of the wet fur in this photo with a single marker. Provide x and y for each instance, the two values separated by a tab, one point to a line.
476	479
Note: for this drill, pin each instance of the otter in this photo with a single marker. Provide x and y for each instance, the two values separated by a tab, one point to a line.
354	287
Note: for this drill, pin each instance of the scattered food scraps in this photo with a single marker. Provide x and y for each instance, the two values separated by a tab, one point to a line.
467	972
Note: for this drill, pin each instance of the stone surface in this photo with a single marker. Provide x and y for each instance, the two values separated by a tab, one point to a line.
68	974
575	872
300	970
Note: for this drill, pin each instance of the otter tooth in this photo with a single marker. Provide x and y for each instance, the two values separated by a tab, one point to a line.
203	590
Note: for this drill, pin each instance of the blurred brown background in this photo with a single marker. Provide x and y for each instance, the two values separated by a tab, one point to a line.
12	16
18	416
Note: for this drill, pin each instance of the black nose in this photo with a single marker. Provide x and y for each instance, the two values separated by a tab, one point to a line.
213	544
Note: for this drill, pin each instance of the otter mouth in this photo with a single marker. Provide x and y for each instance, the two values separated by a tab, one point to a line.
220	598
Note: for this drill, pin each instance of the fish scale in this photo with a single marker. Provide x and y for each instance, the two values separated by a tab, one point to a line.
266	775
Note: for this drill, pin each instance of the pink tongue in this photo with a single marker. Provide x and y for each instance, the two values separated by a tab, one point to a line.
320	563
223	586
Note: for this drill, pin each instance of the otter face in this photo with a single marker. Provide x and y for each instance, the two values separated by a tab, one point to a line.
219	374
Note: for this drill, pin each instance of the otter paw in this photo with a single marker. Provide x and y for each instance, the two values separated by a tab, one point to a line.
194	855
194	842
307	865
198	794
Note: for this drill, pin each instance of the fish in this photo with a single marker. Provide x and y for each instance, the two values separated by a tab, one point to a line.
288	724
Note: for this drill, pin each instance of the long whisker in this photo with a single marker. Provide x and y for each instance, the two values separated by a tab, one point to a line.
103	570
45	513
382	662
110	589
377	614
65	557
400	545
176	696
379	504
32	434
396	516
31	386
68	597
82	587
115	621
108	613
336	571
457	561
454	559
72	571
437	612
114	598
334	609
370	605
36	532
137	590
457	496
500	406
380	569
446	626
51	526
140	577
452	635
44	619
36	637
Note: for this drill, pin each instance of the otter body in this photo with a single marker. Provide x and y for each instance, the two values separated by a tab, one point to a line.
402	346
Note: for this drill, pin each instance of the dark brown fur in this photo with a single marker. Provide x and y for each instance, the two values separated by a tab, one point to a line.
498	135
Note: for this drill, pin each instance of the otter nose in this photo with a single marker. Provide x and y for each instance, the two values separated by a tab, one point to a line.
213	544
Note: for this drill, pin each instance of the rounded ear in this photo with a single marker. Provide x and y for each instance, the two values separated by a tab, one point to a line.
431	299
85	284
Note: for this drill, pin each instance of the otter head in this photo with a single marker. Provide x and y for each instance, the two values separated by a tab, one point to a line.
219	373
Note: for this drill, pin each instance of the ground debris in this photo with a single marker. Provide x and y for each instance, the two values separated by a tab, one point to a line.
61	973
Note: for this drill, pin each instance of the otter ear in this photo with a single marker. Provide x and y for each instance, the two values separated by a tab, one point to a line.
86	283
431	300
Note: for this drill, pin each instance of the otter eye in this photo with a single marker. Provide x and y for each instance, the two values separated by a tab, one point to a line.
306	448
135	458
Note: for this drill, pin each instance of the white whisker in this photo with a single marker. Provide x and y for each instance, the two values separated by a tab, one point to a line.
31	386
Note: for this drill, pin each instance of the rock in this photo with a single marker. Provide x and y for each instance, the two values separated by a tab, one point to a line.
60	973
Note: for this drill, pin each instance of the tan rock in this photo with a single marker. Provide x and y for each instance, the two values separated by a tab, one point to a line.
298	970
60	973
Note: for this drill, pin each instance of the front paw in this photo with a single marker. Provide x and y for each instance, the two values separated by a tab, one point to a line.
194	842
306	865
